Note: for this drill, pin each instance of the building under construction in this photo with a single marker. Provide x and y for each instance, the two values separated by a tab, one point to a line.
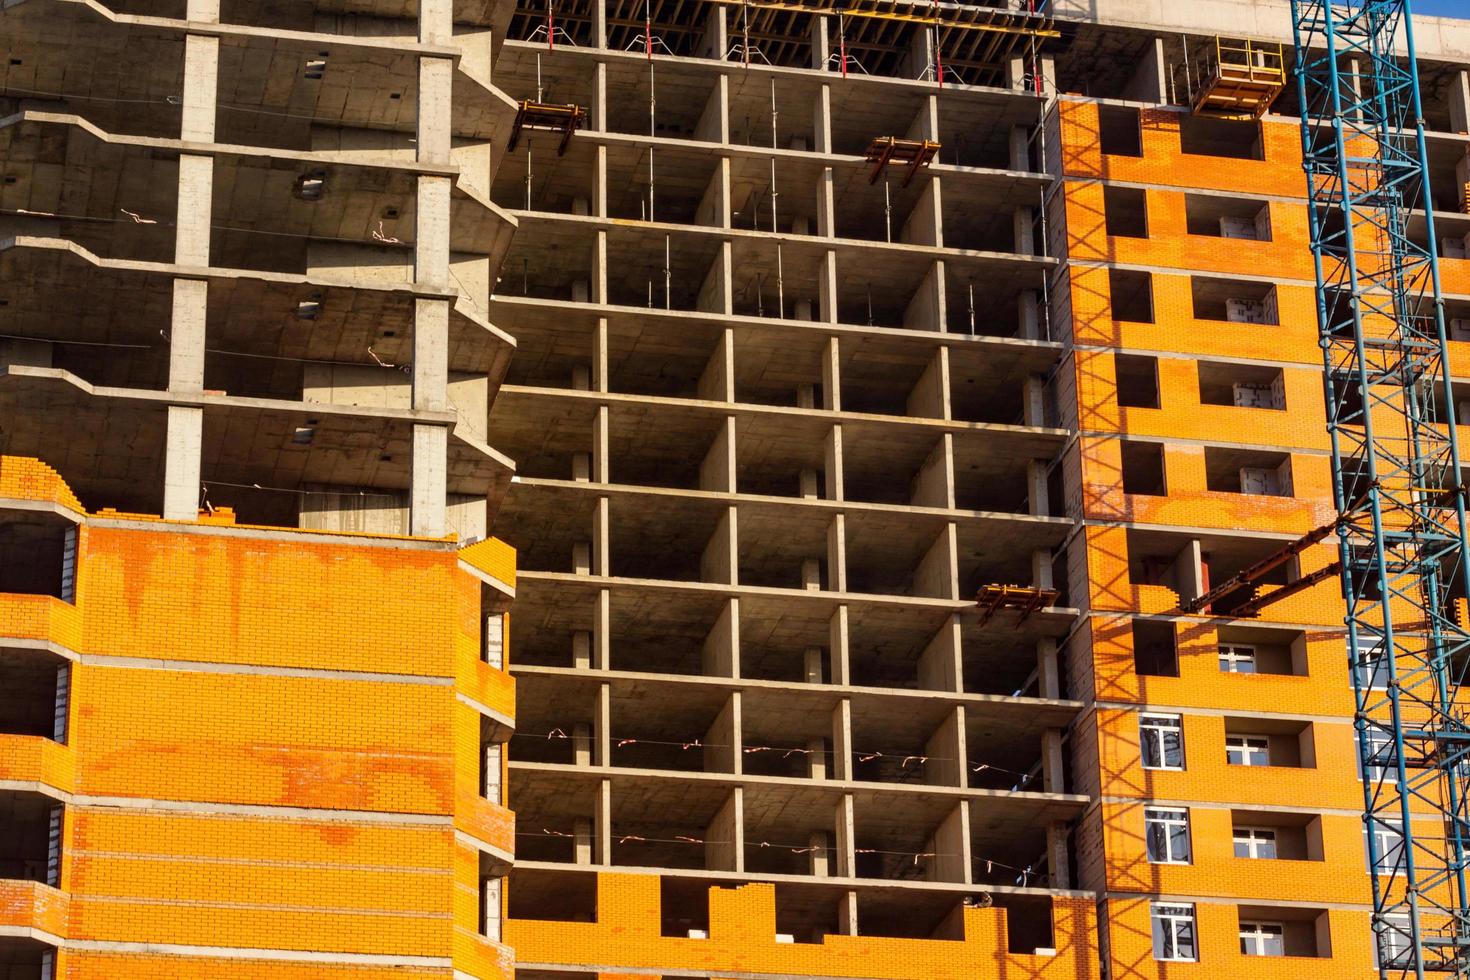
787	453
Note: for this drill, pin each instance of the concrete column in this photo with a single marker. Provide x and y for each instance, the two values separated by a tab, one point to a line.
716	41
832	376
1053	768
929	398
837	554
428	491
602	727
946	749
827	288
1034	406
837	647
842	740
821	45
1460	102
720	653
599	181
934	484
1048	669
1150	78
604	822
599	24
833	463
927	310
182	475
1056	856
941	667
724	848
1024	222
1041	572
950	845
582	745
724	740
1038	494
719	563
602	631
717	472
845	848
1028	315
822	120
1020	145
937	574
183	470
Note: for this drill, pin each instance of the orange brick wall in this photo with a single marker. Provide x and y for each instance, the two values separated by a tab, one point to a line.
1112	856
267	752
742	941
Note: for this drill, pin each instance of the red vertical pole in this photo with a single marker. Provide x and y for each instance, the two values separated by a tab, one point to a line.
648	28
842	43
550	26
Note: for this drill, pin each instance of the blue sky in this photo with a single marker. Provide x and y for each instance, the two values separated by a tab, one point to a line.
1444	8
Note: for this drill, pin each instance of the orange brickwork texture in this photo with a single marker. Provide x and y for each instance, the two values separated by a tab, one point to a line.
1112	848
742	941
266	753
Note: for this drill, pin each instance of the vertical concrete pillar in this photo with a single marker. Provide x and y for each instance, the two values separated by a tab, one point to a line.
428	485
183	470
1460	102
846	846
1056	856
837	647
1048	669
842	740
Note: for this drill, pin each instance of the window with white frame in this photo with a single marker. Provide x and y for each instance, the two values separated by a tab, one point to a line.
1247	750
1388	839
1262	939
1380	754
1236	658
1166	834
1394	938
1174	933
1370	664
1255	842
1161	739
490	891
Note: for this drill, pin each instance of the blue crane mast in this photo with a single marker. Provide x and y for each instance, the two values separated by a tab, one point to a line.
1398	482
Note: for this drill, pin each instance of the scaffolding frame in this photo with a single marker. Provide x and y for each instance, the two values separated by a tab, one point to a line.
1397	477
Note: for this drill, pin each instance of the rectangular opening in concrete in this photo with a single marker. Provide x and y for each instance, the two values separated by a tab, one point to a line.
553	895
1143	468
1132	295
1234	300
38	554
1248	471
1217	216
1272	835
1269	742
1257	650
1137	377
35	694
1278	931
1241	385
1155	650
1208	136
1125	211
1120	131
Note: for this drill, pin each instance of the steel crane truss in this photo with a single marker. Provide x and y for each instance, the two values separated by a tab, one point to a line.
1396	466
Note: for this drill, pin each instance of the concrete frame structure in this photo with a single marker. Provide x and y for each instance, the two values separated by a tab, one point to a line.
774	417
